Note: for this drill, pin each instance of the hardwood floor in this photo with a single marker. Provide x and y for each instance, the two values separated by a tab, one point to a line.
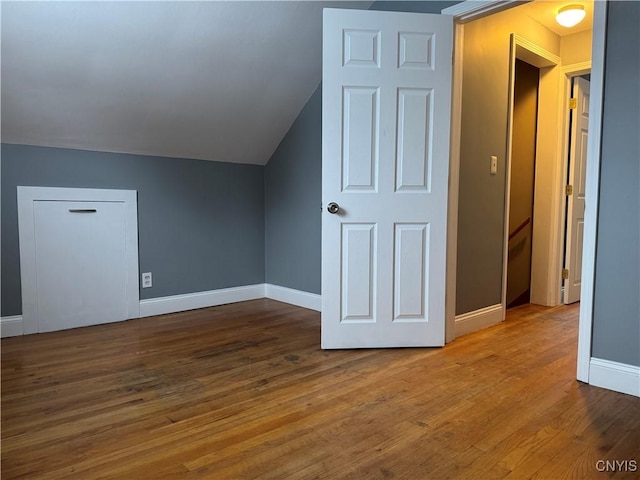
243	391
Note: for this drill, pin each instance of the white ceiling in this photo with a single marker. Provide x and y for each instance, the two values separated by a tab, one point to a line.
221	80
209	80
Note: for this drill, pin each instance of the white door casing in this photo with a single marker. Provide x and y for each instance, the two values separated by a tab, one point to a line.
385	123
79	257
576	200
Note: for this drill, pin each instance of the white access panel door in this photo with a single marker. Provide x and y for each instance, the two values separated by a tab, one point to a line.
78	257
576	201
385	162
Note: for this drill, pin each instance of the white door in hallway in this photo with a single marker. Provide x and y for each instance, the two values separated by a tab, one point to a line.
78	258
576	200
385	149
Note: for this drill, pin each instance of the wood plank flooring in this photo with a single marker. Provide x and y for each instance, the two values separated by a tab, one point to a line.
243	391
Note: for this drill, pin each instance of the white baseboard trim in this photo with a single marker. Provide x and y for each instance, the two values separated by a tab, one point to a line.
615	376
312	301
11	326
191	301
478	319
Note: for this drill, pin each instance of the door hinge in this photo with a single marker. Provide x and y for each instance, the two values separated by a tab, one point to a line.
568	190
565	273
573	103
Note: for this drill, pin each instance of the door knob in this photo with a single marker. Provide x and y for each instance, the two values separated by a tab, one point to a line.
333	207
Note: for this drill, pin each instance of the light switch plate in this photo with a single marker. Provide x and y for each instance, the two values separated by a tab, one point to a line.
494	164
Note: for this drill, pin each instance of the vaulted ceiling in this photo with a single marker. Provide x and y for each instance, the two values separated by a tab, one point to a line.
212	80
208	80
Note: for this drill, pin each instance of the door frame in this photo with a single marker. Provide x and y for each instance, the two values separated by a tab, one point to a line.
471	10
545	254
27	196
552	143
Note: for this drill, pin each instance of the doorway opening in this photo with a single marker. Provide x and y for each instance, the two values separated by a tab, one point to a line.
521	195
484	72
469	11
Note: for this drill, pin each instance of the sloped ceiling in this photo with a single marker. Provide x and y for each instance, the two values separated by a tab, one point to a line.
217	81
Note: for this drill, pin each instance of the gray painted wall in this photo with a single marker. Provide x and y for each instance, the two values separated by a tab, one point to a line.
616	323
201	223
292	203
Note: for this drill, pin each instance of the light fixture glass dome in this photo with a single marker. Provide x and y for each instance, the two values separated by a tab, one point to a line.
571	15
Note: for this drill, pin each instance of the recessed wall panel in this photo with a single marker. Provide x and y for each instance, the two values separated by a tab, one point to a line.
360	138
413	156
411	257
358	272
415	50
585	105
581	172
577	252
361	48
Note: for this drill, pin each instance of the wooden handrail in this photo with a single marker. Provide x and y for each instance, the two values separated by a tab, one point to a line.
520	227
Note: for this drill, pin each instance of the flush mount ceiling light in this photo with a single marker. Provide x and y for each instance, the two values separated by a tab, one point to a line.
571	15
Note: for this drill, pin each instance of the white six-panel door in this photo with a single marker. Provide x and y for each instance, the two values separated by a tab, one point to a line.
385	149
576	201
